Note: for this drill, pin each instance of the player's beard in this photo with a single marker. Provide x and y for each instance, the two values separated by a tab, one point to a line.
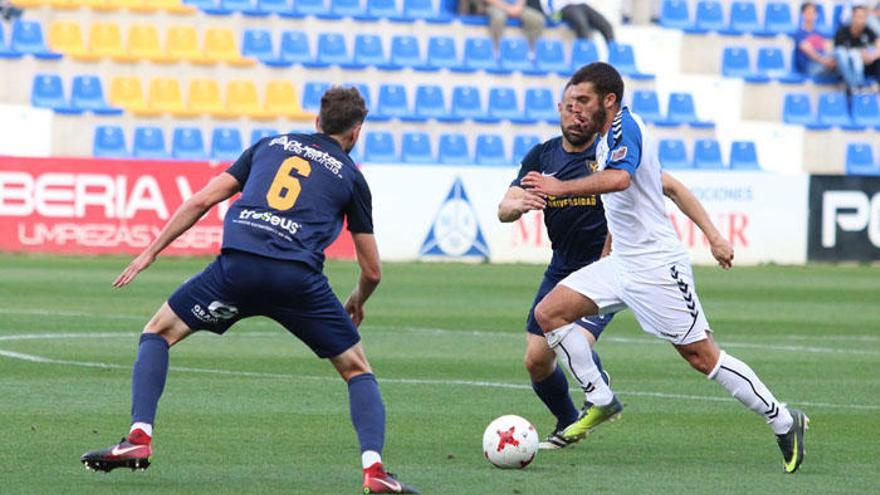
576	135
595	123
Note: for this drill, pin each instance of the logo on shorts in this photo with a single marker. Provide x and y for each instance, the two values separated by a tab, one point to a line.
216	312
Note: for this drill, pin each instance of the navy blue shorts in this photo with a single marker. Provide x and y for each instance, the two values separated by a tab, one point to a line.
237	285
594	324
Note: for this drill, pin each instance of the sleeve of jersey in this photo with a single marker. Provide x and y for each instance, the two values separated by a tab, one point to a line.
360	209
242	167
626	152
531	162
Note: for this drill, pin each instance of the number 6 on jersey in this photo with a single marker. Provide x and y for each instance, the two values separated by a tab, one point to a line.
285	187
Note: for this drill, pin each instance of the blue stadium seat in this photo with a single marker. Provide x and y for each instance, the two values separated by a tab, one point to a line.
27	39
365	92
467	103
441	53
379	147
866	110
680	110
405	51
453	149
623	58
276	7
743	18
415	147
710	16
312	92
743	156
514	55
296	49
149	142
47	91
860	160
309	7
707	154
226	144
675	14
423	9
257	43
541	105
430	102
5	50
368	51
646	105
550	56
583	52
673	154
522	144
778	18
833	110
503	104
262	132
332	49
490	150
797	109
227	7
88	95
479	54
188	144
202	4
347	8
735	62
392	102
109	142
771	62
381	9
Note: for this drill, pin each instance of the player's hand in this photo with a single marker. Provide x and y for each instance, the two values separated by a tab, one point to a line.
543	184
531	201
136	266
722	251
355	308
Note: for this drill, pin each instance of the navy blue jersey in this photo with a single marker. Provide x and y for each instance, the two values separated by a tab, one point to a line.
575	224
296	191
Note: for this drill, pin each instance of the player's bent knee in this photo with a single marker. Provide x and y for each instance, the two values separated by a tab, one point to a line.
539	367
546	319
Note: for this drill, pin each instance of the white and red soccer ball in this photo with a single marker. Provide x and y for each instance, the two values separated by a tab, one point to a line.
510	442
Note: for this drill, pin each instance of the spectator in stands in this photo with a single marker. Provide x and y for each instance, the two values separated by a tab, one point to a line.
814	56
8	11
857	50
874	19
529	12
582	18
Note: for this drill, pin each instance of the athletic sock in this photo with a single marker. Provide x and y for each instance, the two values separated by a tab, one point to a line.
573	350
147	428
148	377
744	384
371	460
367	412
553	391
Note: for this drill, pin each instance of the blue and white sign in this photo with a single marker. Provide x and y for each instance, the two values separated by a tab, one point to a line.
456	229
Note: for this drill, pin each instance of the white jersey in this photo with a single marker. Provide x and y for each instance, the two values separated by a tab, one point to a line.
642	235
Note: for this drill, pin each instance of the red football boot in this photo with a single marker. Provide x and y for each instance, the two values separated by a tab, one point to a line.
376	480
133	452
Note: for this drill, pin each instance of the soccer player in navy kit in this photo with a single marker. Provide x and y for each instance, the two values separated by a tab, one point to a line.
578	231
296	191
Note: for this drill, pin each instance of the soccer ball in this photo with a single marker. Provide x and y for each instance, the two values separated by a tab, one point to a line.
510	442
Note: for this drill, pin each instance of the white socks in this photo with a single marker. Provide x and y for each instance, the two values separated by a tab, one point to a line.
573	350
744	384
147	427
370	457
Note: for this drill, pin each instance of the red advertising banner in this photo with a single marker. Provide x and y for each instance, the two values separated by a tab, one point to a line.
91	206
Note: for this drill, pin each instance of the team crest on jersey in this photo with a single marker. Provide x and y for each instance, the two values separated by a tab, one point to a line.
592	165
456	229
618	154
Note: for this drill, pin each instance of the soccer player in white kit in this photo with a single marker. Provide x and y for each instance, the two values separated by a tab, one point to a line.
647	271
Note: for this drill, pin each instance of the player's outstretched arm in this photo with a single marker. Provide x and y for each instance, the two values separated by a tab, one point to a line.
516	202
367	253
691	206
220	188
604	181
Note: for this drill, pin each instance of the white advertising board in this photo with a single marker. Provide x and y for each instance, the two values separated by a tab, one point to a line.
27	131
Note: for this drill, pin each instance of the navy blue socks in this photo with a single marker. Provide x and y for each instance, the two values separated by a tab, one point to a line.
148	377
367	412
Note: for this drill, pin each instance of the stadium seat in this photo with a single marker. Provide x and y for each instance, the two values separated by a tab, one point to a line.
365	92
27	39
392	102
479	54
187	143
273	7
522	144
743	156
282	99
709	17
467	103
514	55
220	46
242	99
423	9
149	142
66	37
47	91
672	154
172	6
778	18
623	58
165	96
128	93
490	150
833	110
143	44
88	95
415	147
202	4
203	97
646	105
541	105
332	49
866	110
381	9
109	142
257	43
312	92
675	14
262	132
346	8
309	7
771	62
368	51
583	52
797	109
296	49
680	110
550	56
441	53
453	149
503	104
860	159
226	144
379	147
105	41
182	44
430	102
227	7
707	154
743	18
405	51
735	62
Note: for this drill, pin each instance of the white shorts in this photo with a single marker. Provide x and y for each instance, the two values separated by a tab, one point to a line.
664	299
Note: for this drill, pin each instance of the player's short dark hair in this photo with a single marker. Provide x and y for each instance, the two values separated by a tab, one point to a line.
341	109
806	5
605	79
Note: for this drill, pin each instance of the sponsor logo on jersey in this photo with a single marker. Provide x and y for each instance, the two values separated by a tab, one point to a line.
270	219
309	153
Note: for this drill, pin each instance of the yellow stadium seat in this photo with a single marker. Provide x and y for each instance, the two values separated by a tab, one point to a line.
66	37
102	5
133	5
220	46
127	92
282	99
242	100
30	4
105	40
64	4
165	96
203	97
183	44
172	6
143	44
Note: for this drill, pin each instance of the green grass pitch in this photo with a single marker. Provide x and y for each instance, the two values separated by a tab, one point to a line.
256	412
